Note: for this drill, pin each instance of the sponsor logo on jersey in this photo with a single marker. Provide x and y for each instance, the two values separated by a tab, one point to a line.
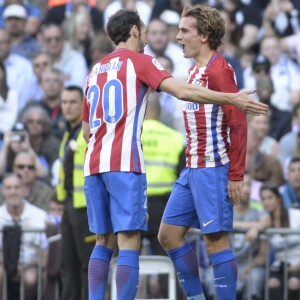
157	64
191	106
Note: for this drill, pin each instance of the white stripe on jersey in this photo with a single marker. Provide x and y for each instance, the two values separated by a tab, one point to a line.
139	133
131	106
221	145
107	141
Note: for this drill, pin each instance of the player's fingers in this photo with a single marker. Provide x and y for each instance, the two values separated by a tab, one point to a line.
254	108
249	92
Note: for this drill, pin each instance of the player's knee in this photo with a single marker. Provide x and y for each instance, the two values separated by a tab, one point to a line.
216	242
163	238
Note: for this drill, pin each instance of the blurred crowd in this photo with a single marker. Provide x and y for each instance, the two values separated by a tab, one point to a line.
47	46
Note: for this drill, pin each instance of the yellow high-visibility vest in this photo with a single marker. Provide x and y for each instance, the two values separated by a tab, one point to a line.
78	174
162	146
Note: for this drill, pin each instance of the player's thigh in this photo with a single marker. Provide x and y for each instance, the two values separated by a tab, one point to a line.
209	187
97	200
180	209
128	200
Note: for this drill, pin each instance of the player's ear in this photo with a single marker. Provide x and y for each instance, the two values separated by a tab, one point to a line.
134	31
204	38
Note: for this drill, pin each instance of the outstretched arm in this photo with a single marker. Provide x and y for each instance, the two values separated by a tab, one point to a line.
199	94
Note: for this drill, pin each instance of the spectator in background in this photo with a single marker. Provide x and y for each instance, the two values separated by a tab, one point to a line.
14	142
77	242
142	7
52	84
245	244
262	167
258	67
31	10
16	66
173	5
36	192
158	44
286	248
40	61
100	46
172	19
229	49
282	18
291	46
16	210
261	125
79	32
66	59
42	140
58	14
15	20
260	77
33	26
248	18
8	103
290	191
171	107
289	144
285	75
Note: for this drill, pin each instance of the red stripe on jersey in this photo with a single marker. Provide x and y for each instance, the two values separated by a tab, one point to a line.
200	121
95	155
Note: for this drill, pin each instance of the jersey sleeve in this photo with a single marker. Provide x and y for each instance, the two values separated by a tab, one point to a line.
236	121
85	110
150	71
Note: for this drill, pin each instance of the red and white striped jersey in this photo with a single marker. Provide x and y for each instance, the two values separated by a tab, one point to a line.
114	106
216	134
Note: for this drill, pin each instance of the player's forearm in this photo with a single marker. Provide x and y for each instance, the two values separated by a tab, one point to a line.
200	94
195	93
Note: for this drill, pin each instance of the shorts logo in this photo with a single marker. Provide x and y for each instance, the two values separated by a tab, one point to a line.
205	224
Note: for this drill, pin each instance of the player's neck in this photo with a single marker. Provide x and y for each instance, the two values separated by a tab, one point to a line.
130	45
203	58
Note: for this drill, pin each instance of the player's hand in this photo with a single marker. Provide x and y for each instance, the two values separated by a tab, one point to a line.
244	102
235	191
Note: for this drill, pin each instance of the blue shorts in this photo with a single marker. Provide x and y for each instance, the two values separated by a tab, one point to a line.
116	201
200	199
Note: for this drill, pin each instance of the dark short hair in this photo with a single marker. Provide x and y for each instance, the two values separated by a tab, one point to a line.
74	88
294	160
261	60
119	25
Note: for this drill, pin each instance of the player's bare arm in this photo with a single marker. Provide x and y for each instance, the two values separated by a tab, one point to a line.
86	131
199	94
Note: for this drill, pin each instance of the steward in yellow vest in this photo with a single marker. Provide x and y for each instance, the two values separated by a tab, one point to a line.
77	146
162	147
77	241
